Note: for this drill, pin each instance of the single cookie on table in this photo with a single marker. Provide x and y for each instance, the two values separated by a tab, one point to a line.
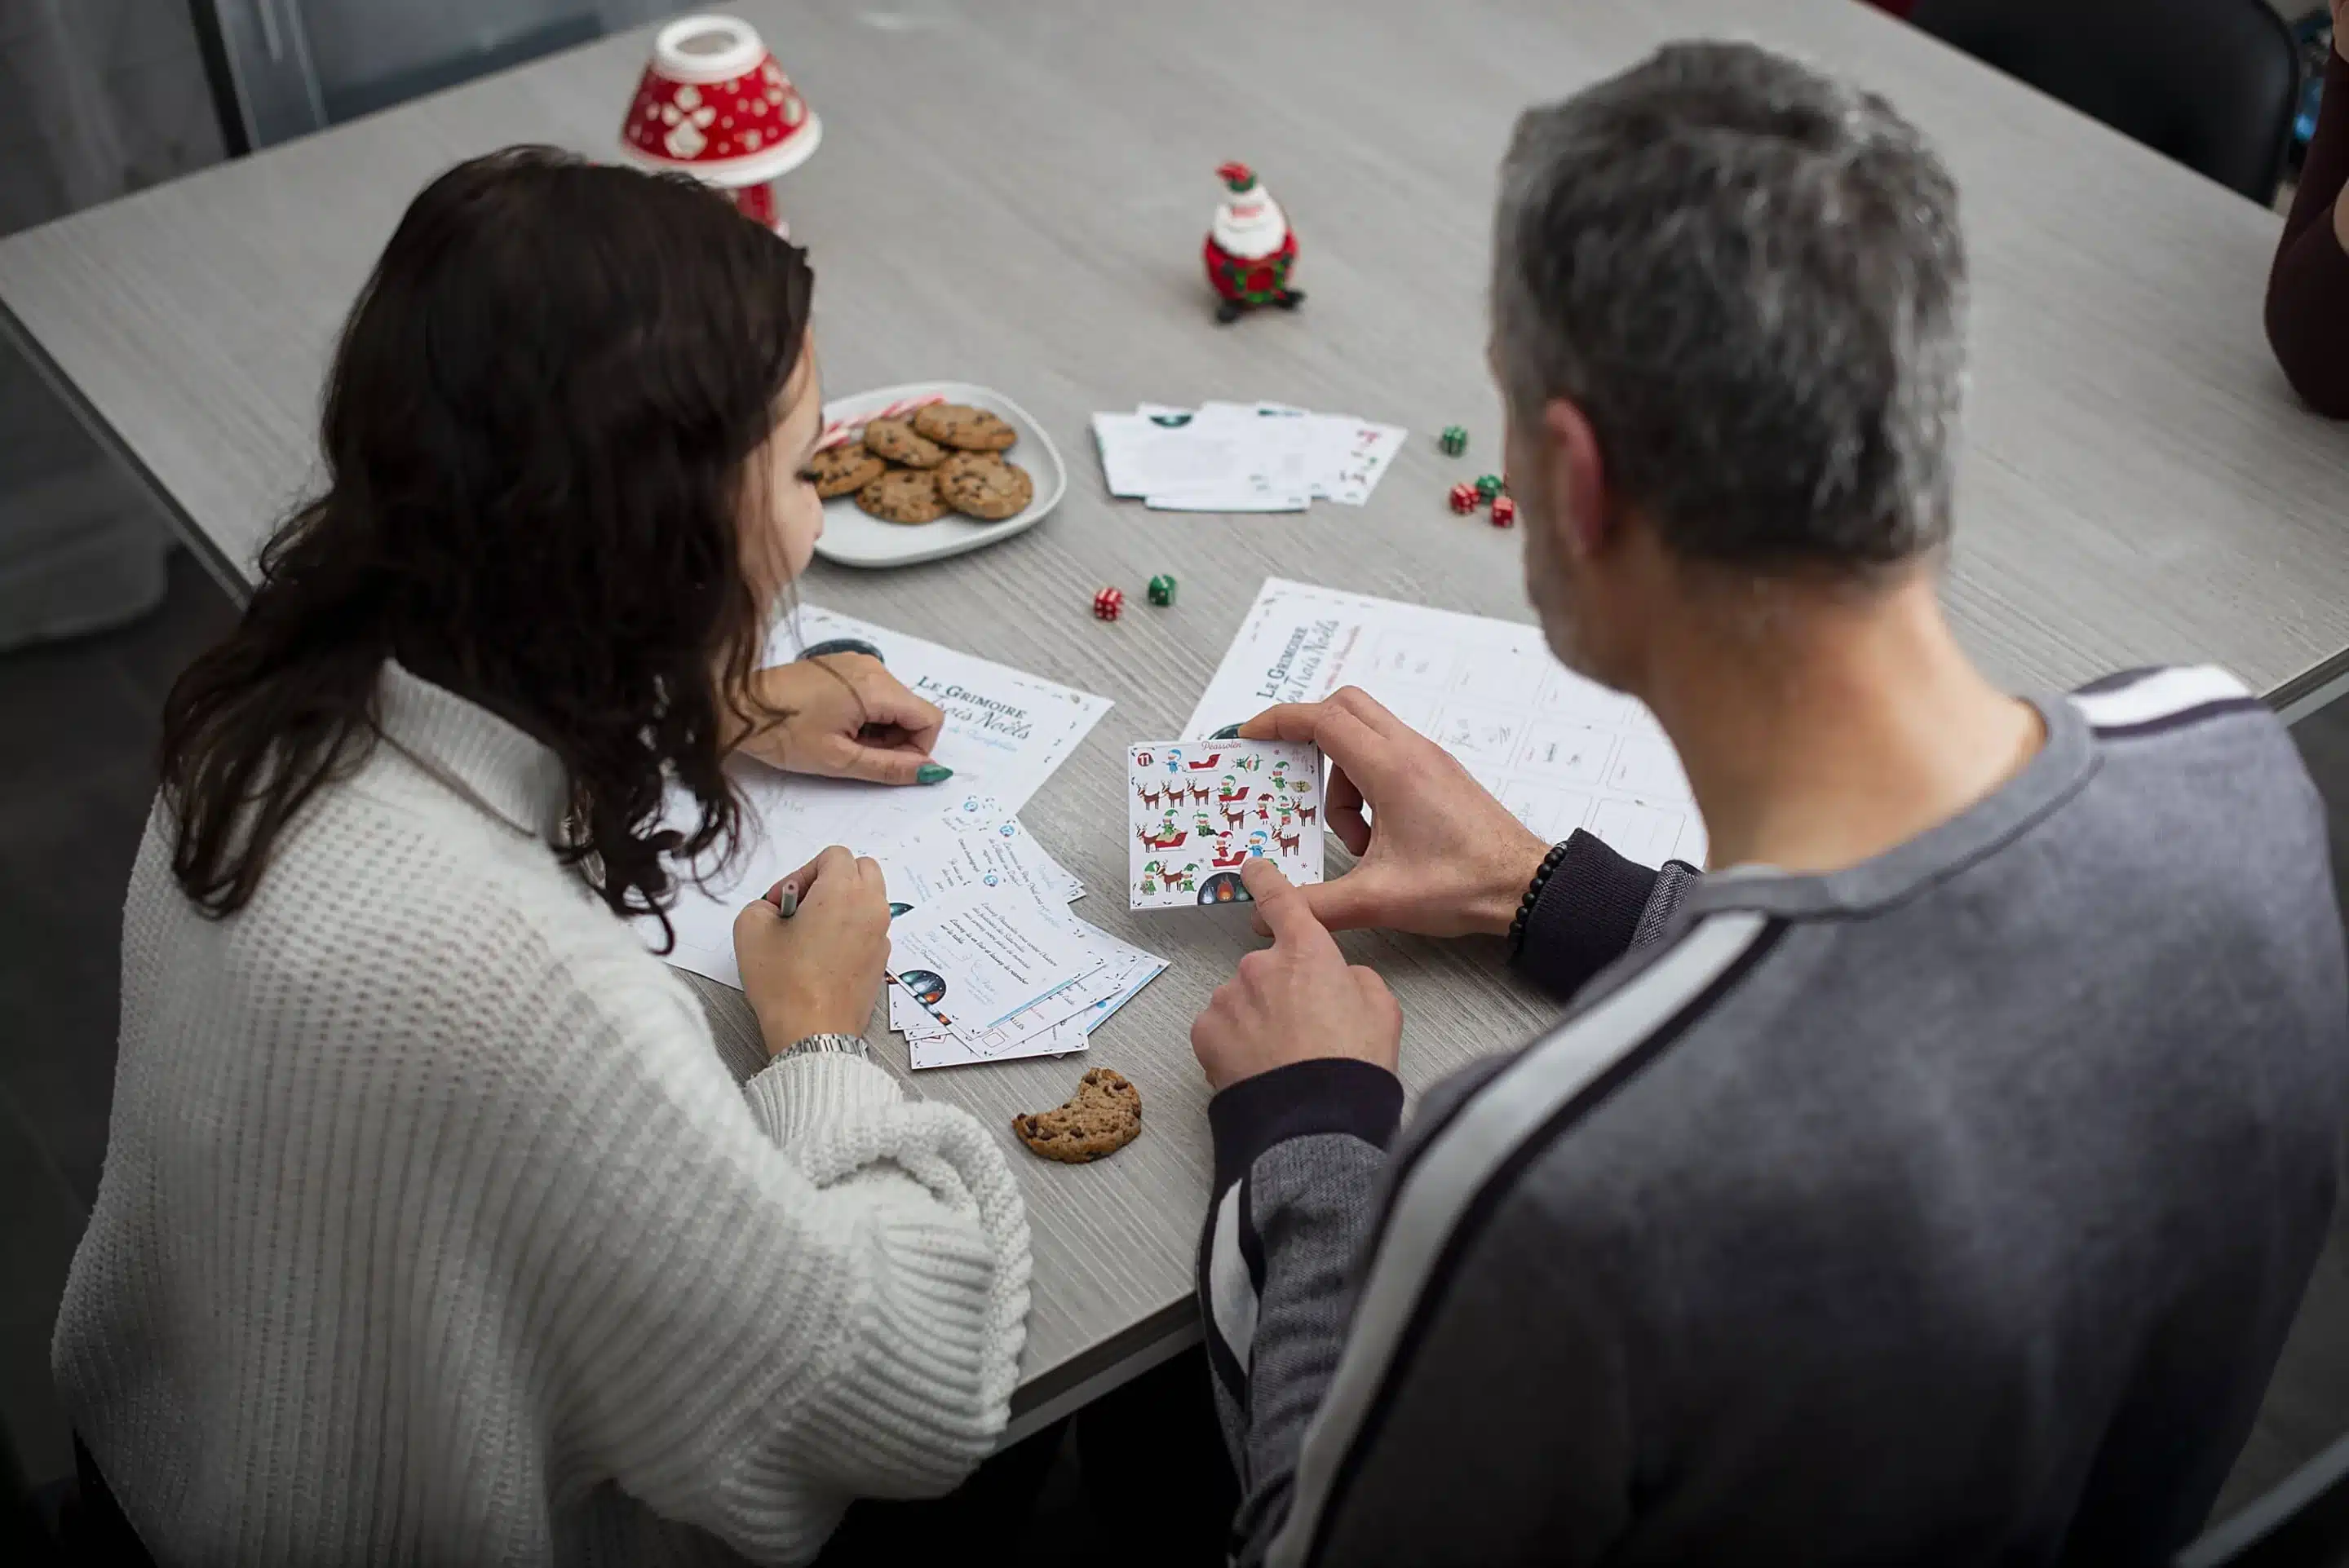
836	470
894	439
960	425
1102	1117
903	495
985	486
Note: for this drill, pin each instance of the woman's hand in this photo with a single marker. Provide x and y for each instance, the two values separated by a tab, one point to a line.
1440	856
1294	1001
850	719
818	971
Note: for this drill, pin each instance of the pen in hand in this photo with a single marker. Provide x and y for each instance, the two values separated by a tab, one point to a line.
784	897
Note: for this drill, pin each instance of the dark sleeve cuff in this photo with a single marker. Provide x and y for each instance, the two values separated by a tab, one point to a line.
2308	318
1327	1094
1586	917
2326	166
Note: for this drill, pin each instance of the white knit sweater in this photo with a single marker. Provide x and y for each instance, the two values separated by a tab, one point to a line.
433	1228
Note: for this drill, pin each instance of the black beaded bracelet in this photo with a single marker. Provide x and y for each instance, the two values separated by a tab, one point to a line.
1533	896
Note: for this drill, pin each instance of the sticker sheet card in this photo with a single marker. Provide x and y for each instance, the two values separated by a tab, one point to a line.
1197	810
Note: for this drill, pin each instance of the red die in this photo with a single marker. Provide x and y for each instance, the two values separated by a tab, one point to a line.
1505	511
1108	604
1464	499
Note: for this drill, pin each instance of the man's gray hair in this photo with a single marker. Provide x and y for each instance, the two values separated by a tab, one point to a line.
1749	277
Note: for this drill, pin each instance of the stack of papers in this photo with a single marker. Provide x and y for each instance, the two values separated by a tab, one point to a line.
1006	732
986	961
1242	457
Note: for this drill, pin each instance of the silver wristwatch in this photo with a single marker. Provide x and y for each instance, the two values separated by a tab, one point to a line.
849	1044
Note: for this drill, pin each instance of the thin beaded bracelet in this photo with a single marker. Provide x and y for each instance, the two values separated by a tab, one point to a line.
1533	896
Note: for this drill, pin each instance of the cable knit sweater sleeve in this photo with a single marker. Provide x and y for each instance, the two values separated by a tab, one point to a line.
762	1334
432	1228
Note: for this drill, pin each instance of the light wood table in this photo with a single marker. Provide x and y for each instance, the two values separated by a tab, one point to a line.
1015	194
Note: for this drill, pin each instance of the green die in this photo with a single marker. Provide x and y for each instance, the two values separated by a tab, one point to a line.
1455	440
1161	590
1489	486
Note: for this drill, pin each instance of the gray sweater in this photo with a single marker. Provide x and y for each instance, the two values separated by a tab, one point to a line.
1948	1209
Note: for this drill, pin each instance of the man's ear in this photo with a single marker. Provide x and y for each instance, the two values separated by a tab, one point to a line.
1577	478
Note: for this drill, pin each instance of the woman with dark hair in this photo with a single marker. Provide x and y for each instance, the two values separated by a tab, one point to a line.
433	1228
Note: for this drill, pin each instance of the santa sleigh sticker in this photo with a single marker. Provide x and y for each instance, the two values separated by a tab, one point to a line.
1196	811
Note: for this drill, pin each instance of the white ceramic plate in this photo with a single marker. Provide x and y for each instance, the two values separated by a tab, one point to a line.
854	539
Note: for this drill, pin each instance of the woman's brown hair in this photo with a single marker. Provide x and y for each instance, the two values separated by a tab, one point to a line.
536	433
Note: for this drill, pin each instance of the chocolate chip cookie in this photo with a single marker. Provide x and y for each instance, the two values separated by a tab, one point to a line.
960	425
1102	1117
894	439
903	495
985	486
836	470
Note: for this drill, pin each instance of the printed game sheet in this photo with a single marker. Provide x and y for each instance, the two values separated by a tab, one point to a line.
1560	751
1006	732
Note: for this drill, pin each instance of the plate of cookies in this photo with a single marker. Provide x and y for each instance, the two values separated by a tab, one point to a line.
929	469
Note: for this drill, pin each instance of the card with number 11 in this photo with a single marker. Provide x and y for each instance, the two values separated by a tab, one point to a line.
1197	810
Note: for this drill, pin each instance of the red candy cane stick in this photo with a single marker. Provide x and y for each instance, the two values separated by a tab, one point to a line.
840	430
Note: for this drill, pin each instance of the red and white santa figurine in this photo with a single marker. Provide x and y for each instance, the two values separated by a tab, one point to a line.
1250	250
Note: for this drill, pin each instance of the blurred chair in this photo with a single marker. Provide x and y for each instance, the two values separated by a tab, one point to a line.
2210	83
2303	1522
284	68
99	100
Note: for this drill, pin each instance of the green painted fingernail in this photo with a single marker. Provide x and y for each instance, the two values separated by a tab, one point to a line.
1229	732
932	773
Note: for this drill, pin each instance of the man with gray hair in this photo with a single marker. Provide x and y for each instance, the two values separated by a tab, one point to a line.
1936	1183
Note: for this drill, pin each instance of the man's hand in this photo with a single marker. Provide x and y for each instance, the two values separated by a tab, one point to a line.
1439	856
1296	1000
850	719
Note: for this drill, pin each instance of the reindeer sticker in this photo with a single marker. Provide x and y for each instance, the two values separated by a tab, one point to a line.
1173	879
1198	811
1183	878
